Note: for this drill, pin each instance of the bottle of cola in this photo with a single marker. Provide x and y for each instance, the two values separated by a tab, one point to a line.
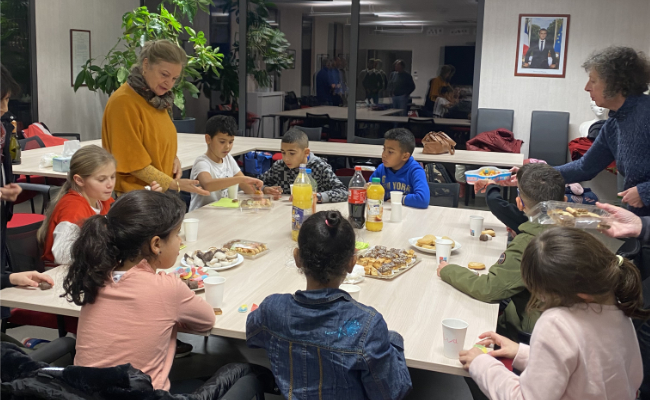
357	199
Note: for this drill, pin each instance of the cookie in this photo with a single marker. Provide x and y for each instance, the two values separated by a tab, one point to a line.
476	265
427	239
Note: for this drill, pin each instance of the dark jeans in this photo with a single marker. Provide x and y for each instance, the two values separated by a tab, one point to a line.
401	103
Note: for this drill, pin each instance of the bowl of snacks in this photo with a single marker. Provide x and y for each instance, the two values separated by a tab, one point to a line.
485	173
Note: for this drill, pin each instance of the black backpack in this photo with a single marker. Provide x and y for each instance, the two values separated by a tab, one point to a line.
437	173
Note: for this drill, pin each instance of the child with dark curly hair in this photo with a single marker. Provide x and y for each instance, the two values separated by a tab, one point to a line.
321	343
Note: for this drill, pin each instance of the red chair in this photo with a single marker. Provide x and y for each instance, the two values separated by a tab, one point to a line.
25	255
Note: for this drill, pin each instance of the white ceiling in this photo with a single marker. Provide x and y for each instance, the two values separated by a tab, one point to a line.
425	12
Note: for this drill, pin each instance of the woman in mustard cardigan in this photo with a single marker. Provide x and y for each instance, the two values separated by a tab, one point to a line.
137	128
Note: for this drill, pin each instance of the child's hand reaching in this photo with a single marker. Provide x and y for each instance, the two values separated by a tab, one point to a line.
508	348
256	183
467	356
155	186
481	185
273	190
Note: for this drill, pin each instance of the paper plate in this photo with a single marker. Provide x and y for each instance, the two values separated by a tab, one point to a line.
413	242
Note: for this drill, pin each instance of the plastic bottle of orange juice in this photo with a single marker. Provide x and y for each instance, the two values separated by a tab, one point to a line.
302	201
375	206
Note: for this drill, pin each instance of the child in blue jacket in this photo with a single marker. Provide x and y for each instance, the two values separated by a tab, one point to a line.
323	344
400	172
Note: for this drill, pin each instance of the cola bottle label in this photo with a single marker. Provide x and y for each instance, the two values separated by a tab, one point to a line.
357	196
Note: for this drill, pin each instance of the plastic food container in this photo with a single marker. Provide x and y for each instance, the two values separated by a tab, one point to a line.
484	173
248	248
61	164
255	202
574	215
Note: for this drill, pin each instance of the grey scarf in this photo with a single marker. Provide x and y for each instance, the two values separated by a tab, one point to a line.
137	82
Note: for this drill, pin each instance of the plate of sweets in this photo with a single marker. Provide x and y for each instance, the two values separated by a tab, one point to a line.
427	243
218	259
484	173
380	262
193	276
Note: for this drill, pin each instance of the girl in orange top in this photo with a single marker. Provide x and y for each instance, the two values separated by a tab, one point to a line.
86	192
113	278
137	128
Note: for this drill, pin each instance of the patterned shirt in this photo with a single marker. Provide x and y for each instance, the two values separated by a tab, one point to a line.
330	187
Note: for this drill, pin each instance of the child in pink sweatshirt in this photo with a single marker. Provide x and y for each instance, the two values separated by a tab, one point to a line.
584	345
130	314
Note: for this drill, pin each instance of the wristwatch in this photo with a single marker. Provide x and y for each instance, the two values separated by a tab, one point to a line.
319	197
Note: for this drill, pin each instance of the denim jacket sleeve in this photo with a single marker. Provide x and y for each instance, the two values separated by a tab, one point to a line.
254	331
386	376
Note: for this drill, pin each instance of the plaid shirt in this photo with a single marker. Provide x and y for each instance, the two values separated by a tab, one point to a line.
330	187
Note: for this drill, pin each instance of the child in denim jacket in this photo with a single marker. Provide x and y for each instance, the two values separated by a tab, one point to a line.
321	343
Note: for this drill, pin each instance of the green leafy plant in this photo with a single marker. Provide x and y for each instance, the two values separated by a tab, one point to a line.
266	52
141	25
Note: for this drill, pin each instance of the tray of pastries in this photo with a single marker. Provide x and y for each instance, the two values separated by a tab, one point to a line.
248	248
380	262
582	216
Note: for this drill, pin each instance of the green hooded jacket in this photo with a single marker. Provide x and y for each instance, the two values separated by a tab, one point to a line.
503	281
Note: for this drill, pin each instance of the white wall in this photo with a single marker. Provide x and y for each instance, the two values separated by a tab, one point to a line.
426	51
291	26
59	106
624	23
595	24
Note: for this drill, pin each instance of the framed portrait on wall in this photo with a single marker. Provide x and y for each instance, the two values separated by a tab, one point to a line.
542	45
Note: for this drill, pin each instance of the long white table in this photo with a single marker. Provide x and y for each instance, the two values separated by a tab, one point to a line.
190	146
414	304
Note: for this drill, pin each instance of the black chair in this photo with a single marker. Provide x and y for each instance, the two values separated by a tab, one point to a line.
367	161
331	128
420	127
69	136
313	134
345	180
444	194
489	119
549	136
361	140
31	143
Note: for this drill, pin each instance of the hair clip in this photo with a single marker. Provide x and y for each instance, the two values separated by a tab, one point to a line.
620	260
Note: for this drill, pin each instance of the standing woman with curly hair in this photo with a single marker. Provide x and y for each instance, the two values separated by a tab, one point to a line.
618	77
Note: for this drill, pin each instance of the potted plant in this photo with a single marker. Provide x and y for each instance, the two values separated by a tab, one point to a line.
141	25
266	53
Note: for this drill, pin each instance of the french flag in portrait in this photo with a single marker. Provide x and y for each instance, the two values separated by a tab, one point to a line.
526	38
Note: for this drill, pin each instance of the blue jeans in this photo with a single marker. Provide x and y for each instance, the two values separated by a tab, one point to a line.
401	103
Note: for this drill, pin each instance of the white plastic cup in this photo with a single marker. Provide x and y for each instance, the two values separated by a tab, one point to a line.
353	290
396	206
232	191
443	250
453	336
214	287
191	229
475	225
